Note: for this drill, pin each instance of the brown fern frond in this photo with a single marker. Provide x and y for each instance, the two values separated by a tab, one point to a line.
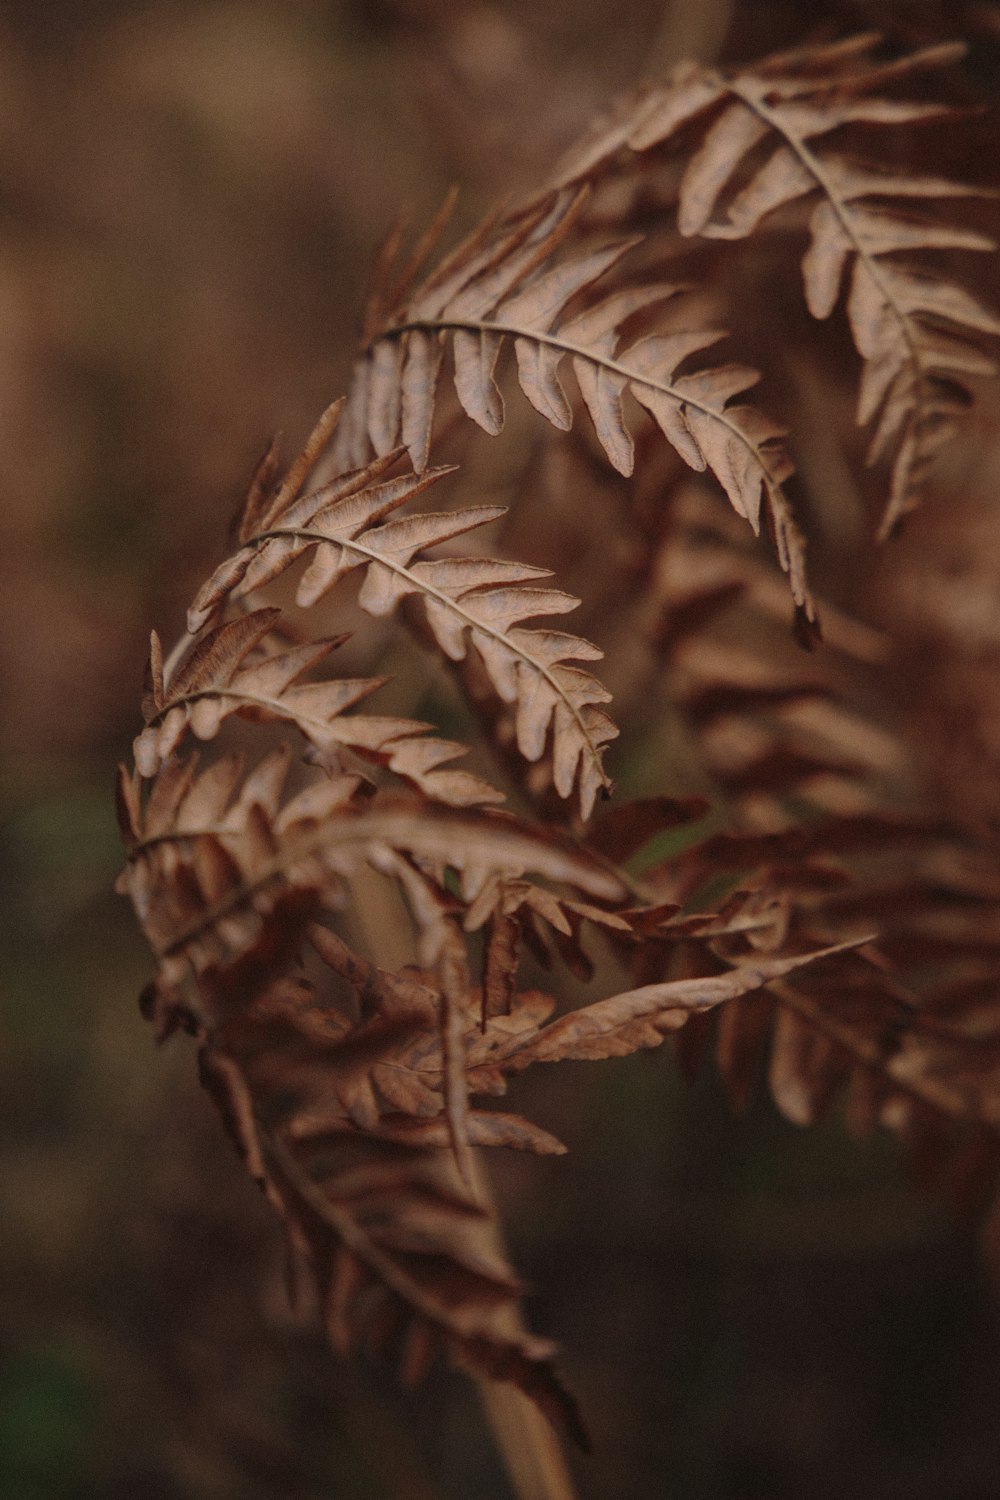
343	1119
914	329
484	600
218	681
643	1017
357	963
777	737
905	1031
509	289
210	851
345	1114
777	734
384	1071
403	1253
768	724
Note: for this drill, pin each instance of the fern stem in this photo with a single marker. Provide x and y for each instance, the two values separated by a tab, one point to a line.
530	1448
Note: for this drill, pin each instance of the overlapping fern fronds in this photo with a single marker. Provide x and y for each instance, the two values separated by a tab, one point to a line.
761	141
355	1083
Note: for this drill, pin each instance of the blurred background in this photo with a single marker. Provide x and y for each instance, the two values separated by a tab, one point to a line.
190	194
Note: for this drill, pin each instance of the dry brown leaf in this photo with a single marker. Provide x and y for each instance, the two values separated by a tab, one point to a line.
401	1253
354	1090
484	601
643	1017
268	689
508	288
910	385
210	852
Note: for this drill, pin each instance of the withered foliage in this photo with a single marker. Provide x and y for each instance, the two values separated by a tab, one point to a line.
758	140
356	932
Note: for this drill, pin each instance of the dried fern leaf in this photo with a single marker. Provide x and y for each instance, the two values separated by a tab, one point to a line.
400	1029
484	601
512	290
383	1073
355	1094
915	331
211	851
823	1038
316	444
245	571
932	1051
405	1230
769	724
813	1037
642	1018
401	1252
230	681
